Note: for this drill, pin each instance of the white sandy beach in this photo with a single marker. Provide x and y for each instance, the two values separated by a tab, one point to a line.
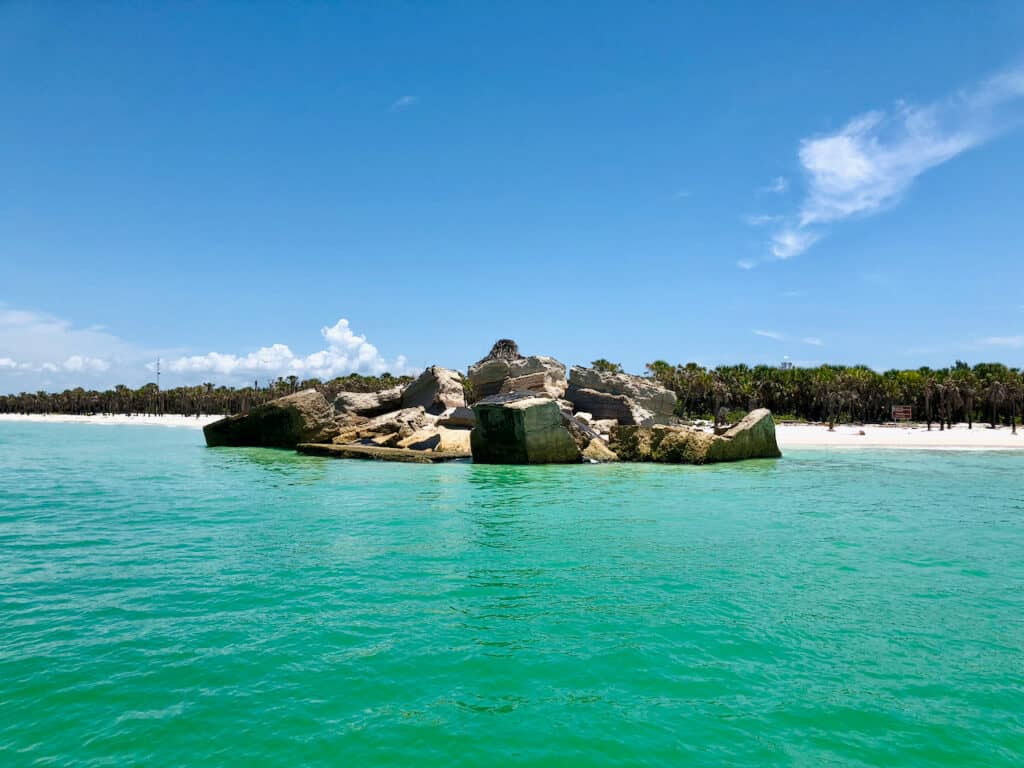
167	420
903	436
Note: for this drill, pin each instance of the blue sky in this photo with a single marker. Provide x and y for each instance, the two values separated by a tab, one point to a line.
632	181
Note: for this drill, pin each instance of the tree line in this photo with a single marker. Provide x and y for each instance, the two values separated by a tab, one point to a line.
200	400
990	392
987	392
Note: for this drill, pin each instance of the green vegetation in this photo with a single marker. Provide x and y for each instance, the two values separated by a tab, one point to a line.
606	366
987	392
189	401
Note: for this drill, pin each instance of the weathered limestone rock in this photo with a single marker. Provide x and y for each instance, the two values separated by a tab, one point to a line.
650	403
438	439
435	390
368	403
751	438
598	450
602	405
457	417
302	417
402	423
504	370
521	428
377	453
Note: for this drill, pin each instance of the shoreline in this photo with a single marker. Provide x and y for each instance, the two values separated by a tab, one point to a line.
789	436
912	437
113	419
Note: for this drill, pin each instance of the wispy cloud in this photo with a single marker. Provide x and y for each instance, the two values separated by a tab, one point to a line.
759	220
403	103
682	194
345	352
787	243
814	341
1014	342
779	185
35	344
870	163
746	264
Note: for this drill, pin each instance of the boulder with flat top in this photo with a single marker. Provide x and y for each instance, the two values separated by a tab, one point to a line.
302	417
521	428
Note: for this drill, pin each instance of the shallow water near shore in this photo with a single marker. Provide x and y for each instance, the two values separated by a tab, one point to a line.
168	604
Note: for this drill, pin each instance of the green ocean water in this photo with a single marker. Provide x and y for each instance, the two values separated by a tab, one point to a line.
166	604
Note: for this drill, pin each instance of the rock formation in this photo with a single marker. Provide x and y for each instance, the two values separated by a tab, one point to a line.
461	417
647	401
302	417
399	424
521	428
752	438
368	403
504	370
435	390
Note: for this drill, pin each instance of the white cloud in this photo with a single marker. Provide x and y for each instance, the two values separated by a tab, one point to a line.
1003	341
681	194
79	363
759	220
870	163
770	335
346	352
746	264
788	243
814	341
35	343
779	185
403	103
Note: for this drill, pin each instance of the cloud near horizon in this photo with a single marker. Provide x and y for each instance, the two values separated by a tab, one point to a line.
868	165
345	352
38	350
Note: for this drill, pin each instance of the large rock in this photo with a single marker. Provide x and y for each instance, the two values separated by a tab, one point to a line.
386	429
521	428
368	403
302	417
437	438
436	390
602	406
649	402
504	371
461	417
751	438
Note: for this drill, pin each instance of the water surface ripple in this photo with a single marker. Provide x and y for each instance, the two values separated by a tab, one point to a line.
166	604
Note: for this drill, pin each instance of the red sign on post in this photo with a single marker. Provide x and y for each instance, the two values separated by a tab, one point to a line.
902	413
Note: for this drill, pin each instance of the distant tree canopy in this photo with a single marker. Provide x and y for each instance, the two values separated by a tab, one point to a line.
989	392
196	400
606	366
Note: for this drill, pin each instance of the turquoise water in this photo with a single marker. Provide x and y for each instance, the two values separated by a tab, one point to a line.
167	604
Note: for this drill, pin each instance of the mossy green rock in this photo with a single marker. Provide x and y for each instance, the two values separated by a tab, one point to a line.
751	438
521	428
